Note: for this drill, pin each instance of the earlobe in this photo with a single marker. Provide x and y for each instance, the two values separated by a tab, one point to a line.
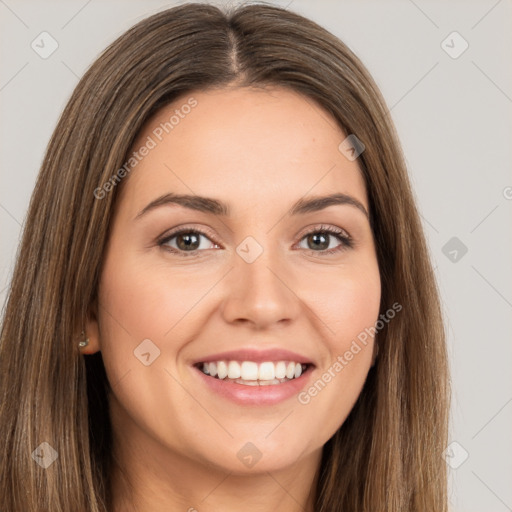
91	330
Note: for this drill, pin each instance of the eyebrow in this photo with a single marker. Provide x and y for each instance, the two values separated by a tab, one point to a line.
216	207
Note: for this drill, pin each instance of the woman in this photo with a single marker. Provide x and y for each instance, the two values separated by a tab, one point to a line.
223	297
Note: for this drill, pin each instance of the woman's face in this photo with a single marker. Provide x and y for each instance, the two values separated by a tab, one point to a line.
258	277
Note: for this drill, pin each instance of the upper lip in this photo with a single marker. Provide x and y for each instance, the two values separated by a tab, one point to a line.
258	356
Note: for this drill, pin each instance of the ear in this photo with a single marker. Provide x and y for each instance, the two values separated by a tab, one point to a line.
92	330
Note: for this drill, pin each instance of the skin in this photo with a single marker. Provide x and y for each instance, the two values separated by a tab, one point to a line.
177	441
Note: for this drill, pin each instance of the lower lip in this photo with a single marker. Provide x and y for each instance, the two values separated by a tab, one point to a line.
256	395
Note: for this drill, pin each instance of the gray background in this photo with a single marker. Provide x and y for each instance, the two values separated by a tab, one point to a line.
453	117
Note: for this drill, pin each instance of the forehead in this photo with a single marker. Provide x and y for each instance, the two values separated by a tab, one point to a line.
252	145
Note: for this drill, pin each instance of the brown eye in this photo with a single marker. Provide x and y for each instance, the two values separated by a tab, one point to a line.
186	241
319	240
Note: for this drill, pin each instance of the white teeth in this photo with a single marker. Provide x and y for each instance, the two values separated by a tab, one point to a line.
249	370
267	371
281	370
290	370
272	382
247	382
234	370
259	382
252	373
222	369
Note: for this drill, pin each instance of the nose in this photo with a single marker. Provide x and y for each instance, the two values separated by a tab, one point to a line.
260	293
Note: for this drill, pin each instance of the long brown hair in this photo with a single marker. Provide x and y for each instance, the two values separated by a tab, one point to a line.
387	456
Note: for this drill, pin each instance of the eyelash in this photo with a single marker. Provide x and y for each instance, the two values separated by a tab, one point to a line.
346	240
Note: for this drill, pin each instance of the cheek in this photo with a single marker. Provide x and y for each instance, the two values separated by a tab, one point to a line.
147	301
352	308
346	301
347	304
331	395
144	302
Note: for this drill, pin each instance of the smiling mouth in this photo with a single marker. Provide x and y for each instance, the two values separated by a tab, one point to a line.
250	373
